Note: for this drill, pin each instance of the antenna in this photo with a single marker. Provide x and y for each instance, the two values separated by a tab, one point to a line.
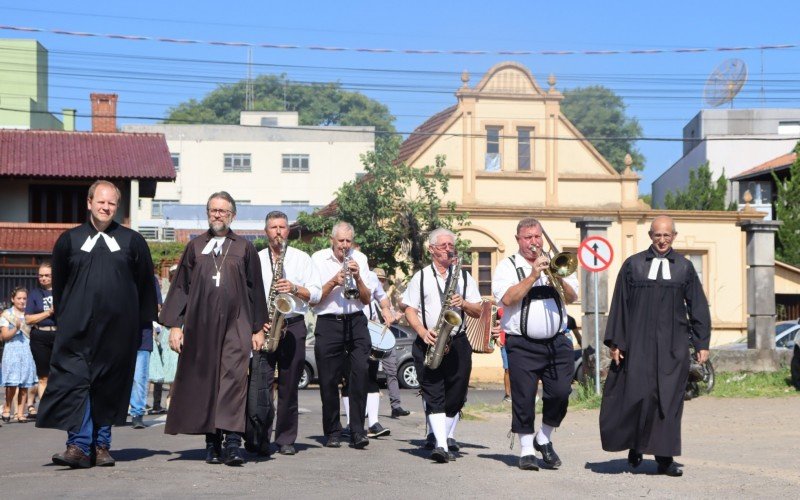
725	82
249	98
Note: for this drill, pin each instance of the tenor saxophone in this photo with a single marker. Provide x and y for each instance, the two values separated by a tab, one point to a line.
448	320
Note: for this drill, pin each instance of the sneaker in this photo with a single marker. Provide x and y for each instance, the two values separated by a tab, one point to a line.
377	430
400	412
507	399
137	422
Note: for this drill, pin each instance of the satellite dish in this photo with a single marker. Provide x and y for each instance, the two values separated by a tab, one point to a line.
725	82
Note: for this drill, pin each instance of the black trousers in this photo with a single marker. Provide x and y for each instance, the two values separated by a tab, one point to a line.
289	359
372	378
42	350
529	360
338	340
444	389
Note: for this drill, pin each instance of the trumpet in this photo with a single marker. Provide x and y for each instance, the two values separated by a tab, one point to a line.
561	265
350	286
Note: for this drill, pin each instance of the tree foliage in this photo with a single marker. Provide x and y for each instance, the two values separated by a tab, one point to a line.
165	252
598	112
316	104
787	210
702	192
393	208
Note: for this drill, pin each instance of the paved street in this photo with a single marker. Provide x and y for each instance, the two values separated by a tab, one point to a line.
732	448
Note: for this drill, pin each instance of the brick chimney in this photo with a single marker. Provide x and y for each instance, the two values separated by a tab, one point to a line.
104	112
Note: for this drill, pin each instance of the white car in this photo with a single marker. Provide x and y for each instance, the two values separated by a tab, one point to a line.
785	337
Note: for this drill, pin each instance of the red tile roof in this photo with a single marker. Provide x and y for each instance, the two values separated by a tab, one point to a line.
773	164
30	238
422	133
84	155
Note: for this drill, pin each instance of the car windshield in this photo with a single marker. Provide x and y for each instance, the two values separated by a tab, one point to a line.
782	327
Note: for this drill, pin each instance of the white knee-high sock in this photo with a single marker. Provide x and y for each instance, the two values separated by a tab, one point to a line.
346	404
543	436
526	445
439	427
452	422
373	402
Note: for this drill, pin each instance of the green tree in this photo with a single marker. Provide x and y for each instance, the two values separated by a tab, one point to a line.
787	210
316	104
702	193
393	208
599	113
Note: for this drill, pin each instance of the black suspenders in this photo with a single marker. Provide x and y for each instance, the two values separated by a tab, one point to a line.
422	292
540	292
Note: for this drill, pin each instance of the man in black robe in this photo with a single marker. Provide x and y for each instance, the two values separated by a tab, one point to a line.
216	311
657	308
103	295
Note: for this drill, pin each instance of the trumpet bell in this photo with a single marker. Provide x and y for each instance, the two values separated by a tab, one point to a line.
564	264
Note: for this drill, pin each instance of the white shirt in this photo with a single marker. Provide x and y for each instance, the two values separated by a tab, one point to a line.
543	317
434	286
377	294
328	266
297	268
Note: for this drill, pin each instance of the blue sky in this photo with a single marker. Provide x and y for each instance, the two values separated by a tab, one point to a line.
663	91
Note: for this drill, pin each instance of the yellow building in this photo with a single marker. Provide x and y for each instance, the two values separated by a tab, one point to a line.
511	153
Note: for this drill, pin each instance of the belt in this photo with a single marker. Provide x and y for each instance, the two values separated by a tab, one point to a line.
542	341
293	320
342	317
46	328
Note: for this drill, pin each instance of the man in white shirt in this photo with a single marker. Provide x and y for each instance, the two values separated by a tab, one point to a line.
301	280
444	390
535	319
341	334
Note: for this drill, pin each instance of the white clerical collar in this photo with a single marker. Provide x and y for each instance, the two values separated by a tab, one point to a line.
656	263
213	242
90	242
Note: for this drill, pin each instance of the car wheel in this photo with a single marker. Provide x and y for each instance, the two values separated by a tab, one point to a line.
305	378
407	376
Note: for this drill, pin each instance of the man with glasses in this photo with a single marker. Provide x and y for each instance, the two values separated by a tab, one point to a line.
658	305
444	390
216	312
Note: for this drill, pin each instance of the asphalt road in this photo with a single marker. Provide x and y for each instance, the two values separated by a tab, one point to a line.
735	448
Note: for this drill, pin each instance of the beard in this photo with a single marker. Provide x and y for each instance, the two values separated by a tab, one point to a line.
218	227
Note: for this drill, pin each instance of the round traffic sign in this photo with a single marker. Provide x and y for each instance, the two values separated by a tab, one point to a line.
595	254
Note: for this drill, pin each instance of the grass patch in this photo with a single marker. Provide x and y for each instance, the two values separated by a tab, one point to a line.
584	398
753	385
478	411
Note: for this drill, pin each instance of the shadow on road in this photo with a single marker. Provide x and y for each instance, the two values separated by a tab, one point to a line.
194	455
130	454
621	467
509	460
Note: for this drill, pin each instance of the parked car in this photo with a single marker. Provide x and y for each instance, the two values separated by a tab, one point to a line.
785	337
406	373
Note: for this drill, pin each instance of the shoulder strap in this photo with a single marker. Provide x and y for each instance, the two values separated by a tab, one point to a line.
422	296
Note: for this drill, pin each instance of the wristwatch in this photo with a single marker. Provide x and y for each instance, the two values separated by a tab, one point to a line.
294	289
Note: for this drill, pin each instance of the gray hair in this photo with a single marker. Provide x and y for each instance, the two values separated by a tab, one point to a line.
223	195
342	225
277	214
662	216
441	231
528	222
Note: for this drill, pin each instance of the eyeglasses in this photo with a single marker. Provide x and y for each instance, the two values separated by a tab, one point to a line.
218	211
444	245
662	236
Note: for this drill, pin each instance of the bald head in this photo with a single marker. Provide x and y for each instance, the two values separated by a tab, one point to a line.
662	233
663	221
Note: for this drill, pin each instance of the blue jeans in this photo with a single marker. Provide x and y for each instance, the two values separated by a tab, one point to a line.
88	435
140	384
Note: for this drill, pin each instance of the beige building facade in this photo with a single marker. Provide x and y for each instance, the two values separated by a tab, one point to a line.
511	153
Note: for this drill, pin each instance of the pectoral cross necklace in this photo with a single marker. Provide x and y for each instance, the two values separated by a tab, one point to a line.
218	277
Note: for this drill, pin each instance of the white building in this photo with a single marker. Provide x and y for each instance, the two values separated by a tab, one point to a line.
729	139
266	160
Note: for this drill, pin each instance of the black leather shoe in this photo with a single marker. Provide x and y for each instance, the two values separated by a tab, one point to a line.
233	456
359	441
634	459
671	469
528	462
439	455
452	444
451	455
213	454
400	412
430	442
287	449
550	458
333	442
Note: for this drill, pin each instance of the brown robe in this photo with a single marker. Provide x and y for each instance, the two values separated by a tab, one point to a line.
218	322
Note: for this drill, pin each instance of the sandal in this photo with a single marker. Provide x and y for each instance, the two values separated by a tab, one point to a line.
6	417
21	420
32	412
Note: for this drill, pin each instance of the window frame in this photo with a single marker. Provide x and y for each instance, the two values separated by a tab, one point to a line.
300	168
239	163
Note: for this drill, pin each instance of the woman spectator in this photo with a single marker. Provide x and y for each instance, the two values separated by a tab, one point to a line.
18	370
40	316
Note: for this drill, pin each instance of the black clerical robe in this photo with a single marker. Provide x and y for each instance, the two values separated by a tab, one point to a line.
104	296
651	321
218	323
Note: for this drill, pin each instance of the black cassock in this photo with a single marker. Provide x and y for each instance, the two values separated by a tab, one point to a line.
218	319
104	296
651	321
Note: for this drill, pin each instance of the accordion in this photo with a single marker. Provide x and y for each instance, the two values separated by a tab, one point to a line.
479	330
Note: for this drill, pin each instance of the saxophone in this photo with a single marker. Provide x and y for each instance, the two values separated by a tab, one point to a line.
448	320
278	304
